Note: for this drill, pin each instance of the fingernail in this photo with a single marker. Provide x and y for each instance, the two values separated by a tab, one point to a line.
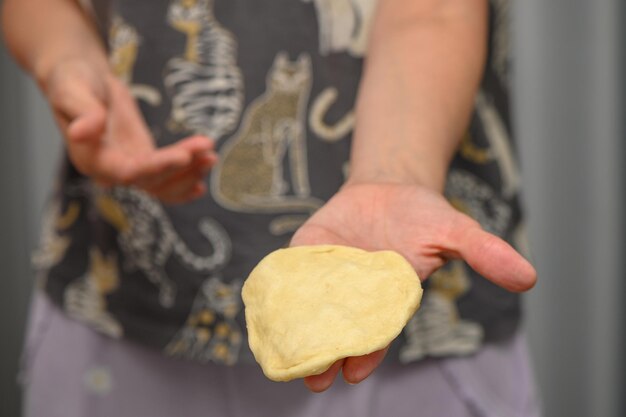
347	381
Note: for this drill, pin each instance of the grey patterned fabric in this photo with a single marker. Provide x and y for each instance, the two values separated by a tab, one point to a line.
274	83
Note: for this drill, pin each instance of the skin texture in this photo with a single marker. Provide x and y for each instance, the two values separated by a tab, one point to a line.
376	216
424	65
104	132
108	140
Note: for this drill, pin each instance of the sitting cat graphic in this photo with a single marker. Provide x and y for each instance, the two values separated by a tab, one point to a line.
250	175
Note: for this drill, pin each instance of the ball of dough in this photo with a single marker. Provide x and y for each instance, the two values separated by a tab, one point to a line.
309	306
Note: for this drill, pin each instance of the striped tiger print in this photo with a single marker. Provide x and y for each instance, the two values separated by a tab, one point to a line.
205	84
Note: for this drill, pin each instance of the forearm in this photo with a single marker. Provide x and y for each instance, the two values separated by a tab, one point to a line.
42	33
424	64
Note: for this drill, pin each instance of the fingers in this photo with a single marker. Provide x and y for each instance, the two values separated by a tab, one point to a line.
173	173
356	369
159	162
164	163
196	144
179	184
181	193
323	381
108	140
175	188
78	101
494	259
88	127
182	187
200	159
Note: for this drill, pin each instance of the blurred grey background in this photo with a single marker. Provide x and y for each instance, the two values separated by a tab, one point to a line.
570	95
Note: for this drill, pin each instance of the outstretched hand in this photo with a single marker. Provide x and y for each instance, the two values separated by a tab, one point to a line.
108	140
422	226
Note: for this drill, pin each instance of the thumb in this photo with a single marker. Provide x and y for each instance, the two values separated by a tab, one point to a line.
88	126
495	259
79	101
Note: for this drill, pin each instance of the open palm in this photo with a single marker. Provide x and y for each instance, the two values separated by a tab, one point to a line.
108	140
422	226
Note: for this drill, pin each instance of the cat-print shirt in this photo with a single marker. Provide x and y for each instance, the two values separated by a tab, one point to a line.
274	83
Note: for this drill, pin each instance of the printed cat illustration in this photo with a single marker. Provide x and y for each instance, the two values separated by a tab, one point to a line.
499	148
205	83
436	329
499	143
474	153
211	332
501	54
148	239
124	43
474	197
344	25
53	244
85	299
249	176
318	111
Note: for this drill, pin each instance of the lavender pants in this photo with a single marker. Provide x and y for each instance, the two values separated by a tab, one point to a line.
71	371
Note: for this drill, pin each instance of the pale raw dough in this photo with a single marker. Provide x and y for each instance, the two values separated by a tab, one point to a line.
308	306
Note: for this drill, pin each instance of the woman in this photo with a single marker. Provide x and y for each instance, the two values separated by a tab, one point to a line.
202	134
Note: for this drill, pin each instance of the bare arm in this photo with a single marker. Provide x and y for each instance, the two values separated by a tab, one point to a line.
424	65
423	68
42	33
106	137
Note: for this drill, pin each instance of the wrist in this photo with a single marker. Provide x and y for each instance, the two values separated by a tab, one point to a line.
48	66
432	184
427	172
